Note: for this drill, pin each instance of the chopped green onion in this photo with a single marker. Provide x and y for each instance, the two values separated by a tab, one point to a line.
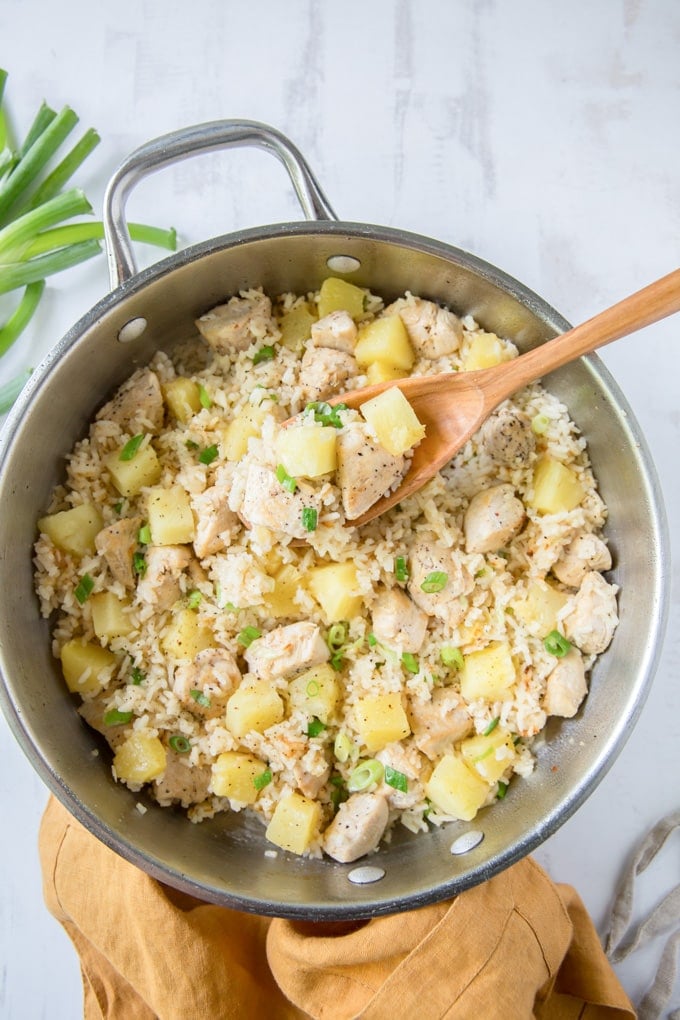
286	481
485	754
194	598
325	414
435	581
502	789
396	779
372	640
556	644
312	689
410	662
491	727
200	698
131	447
137	676
401	569
310	518
139	563
265	353
118	506
114	717
248	635
364	775
179	743
315	727
208	455
84	589
191	445
339	792
264	779
336	660
204	396
342	748
337	636
539	424
144	535
231	608
451	656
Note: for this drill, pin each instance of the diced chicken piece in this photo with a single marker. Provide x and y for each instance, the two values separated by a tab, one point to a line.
93	711
181	782
324	371
357	828
507	437
584	553
453	580
493	517
441	722
287	650
235	325
336	331
566	686
267	504
397	621
138	404
406	760
309	783
204	684
160	585
216	524
366	471
592	617
433	331
116	545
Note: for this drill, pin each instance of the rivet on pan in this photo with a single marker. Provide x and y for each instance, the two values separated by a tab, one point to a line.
365	875
132	330
468	841
343	263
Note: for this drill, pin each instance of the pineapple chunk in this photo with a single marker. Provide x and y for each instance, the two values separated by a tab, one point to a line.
334	586
539	608
256	707
383	371
456	789
339	296
315	692
171	518
86	667
387	341
489	755
109	618
246	425
296	327
394	420
556	487
295	823
485	350
130	476
488	674
183	398
381	719
74	530
140	759
185	636
281	600
307	452
234	774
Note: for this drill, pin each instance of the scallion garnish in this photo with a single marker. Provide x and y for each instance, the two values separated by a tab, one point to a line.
539	424
118	506
339	792
312	689
410	662
337	635
452	657
131	448
264	779
194	598
343	746
139	563
401	568
144	535
556	644
372	640
114	717
208	455
491	727
396	779
336	660
325	414
248	635
136	676
286	481
191	445
179	743
200	698
502	789
265	353
84	588
203	396
435	581
310	518
365	774
315	727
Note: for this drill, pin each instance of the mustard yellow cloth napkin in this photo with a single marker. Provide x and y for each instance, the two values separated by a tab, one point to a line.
517	946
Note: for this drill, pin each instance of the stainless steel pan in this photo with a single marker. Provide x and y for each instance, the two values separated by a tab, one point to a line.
223	860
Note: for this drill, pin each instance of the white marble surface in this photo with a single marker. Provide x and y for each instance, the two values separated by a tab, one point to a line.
541	136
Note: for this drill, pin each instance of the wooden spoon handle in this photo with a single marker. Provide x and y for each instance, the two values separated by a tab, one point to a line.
652	303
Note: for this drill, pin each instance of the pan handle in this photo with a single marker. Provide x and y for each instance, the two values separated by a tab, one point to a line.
178	145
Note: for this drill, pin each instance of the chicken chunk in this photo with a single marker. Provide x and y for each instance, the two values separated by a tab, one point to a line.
324	371
566	686
336	331
310	783
584	553
493	517
181	782
235	325
428	557
138	404
204	684
592	617
357	828
216	524
407	760
116	545
440	722
398	622
267	504
365	472
93	711
287	650
507	437
433	331
160	585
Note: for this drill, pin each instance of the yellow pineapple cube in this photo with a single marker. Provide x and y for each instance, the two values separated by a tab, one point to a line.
485	350
281	600
140	759
74	530
295	823
246	425
185	635
394	420
335	587
556	487
380	720
307	452
455	789
87	667
316	692
383	371
234	775
385	340
109	616
296	327
339	296
171	519
183	398
539	608
131	476
488	674
255	706
489	755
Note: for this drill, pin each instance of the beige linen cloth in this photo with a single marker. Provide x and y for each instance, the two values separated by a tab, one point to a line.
518	946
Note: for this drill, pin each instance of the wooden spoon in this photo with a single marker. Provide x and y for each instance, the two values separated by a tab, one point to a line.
453	405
